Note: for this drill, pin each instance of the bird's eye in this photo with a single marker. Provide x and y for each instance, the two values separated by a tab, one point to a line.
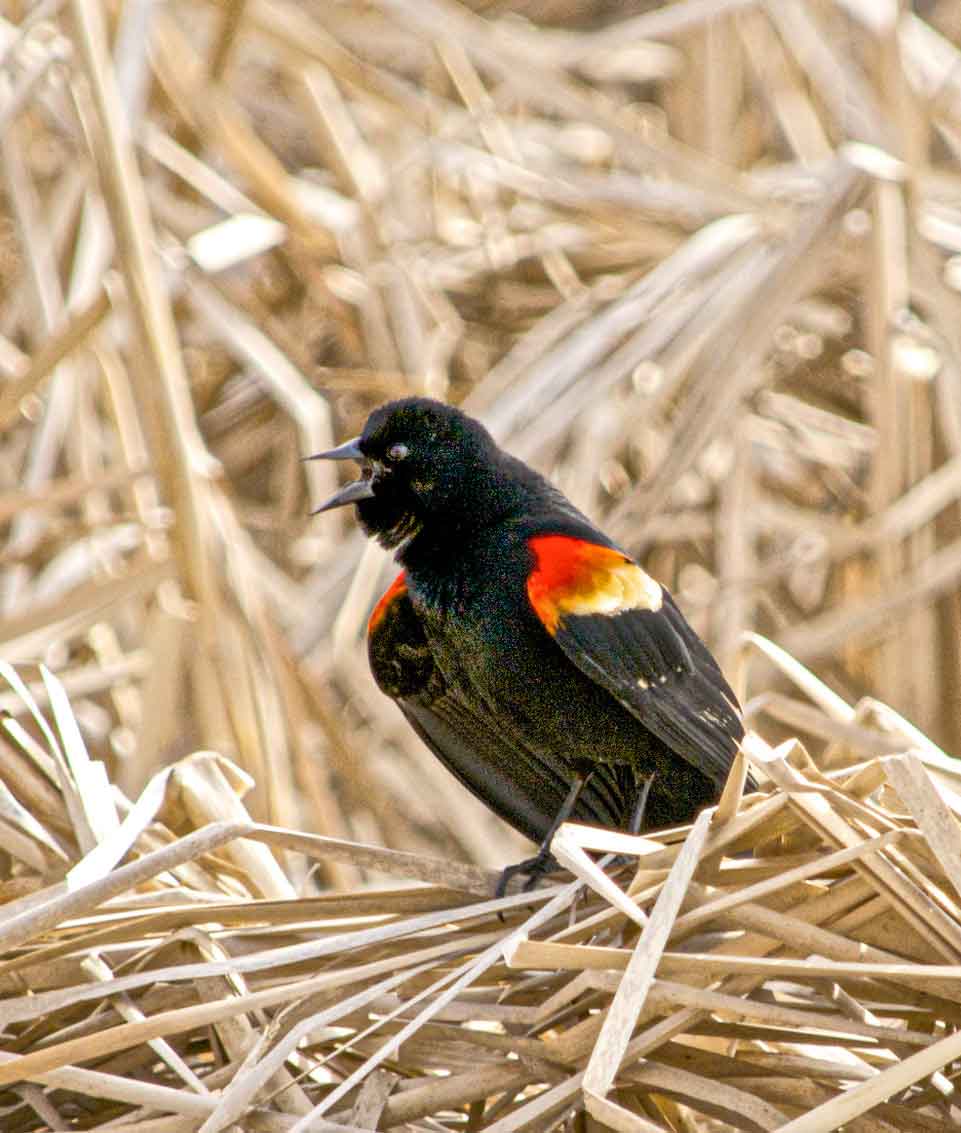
397	452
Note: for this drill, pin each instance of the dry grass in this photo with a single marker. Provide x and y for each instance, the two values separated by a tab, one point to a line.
790	962
700	262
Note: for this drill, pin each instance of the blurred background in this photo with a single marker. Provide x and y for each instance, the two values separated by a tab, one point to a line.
699	262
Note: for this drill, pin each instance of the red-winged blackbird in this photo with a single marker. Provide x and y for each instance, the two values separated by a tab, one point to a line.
541	665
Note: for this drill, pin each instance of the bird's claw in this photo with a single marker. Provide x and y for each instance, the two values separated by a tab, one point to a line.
534	868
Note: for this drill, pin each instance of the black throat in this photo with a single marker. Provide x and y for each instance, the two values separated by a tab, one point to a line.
493	494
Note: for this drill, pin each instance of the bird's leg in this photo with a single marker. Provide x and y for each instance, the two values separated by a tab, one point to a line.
637	819
640	805
542	861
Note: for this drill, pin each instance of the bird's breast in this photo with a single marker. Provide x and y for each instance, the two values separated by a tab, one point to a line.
472	603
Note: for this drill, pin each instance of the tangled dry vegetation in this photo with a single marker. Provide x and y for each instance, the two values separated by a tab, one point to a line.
790	962
700	262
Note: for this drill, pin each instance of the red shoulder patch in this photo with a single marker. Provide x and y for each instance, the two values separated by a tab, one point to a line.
573	576
396	588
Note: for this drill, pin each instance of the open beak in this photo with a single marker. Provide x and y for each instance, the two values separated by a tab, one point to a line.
349	450
351	493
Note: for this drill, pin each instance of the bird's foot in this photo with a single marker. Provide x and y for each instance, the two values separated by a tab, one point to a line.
534	868
620	862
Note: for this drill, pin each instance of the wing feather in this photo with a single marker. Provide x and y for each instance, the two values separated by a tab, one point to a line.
627	634
508	776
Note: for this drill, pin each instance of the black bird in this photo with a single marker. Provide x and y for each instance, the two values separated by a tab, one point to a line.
550	673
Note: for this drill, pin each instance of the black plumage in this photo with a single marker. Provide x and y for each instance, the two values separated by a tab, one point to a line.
526	649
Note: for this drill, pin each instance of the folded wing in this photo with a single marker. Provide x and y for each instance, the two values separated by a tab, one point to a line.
624	631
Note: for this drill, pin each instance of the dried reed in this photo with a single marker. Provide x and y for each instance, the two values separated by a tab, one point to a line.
791	961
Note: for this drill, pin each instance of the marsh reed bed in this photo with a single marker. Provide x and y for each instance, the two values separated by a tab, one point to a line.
788	962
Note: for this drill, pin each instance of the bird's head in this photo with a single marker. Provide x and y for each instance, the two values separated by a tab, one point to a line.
422	462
